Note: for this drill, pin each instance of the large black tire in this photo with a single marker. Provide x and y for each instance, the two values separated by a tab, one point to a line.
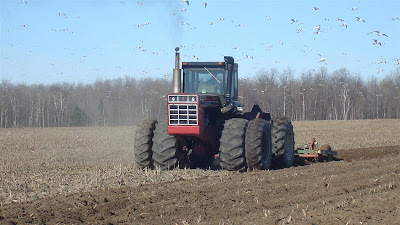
282	143
143	143
232	145
258	145
165	150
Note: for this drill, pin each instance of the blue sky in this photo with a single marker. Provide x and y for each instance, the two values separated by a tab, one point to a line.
81	41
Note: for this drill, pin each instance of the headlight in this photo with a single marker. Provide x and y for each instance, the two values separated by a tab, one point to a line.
193	99
172	98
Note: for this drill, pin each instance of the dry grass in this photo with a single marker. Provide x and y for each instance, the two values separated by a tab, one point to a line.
39	162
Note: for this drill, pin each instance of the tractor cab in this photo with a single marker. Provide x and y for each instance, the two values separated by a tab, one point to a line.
209	78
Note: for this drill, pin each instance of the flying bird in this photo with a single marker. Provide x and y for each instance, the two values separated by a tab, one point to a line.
139	3
62	14
359	19
322	59
340	19
240	25
187	1
315	8
353	8
23	2
318	27
343	25
395	18
293	21
300	30
378	33
205	4
376	42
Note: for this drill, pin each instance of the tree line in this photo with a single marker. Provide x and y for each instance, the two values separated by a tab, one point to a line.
314	95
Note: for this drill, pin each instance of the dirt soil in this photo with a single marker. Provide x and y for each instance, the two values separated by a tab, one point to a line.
86	175
352	191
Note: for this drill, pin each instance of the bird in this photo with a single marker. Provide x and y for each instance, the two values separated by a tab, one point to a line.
382	61
139	3
353	8
205	4
222	18
62	14
184	23
293	21
318	27
182	10
281	42
23	2
395	18
378	33
24	25
300	30
326	19
340	19
187	1
398	62
240	25
268	18
343	25
322	59
359	19
210	23
376	42
315	8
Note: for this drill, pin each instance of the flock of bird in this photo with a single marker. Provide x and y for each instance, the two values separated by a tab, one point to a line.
319	28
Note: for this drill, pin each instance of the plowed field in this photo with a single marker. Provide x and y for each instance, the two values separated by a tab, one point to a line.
86	175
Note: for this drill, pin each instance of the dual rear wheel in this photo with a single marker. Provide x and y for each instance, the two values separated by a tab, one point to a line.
255	144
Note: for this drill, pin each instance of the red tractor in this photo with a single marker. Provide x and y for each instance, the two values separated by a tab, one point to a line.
207	128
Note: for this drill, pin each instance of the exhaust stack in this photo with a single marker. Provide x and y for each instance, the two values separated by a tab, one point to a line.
177	73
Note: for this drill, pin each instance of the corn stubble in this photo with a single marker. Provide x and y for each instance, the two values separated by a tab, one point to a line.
40	162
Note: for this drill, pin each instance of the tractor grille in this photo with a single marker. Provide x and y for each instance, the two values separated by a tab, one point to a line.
182	114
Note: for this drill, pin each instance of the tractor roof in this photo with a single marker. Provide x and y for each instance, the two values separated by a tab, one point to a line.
204	64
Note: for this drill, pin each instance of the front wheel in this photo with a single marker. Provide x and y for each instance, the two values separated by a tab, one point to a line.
165	149
143	143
